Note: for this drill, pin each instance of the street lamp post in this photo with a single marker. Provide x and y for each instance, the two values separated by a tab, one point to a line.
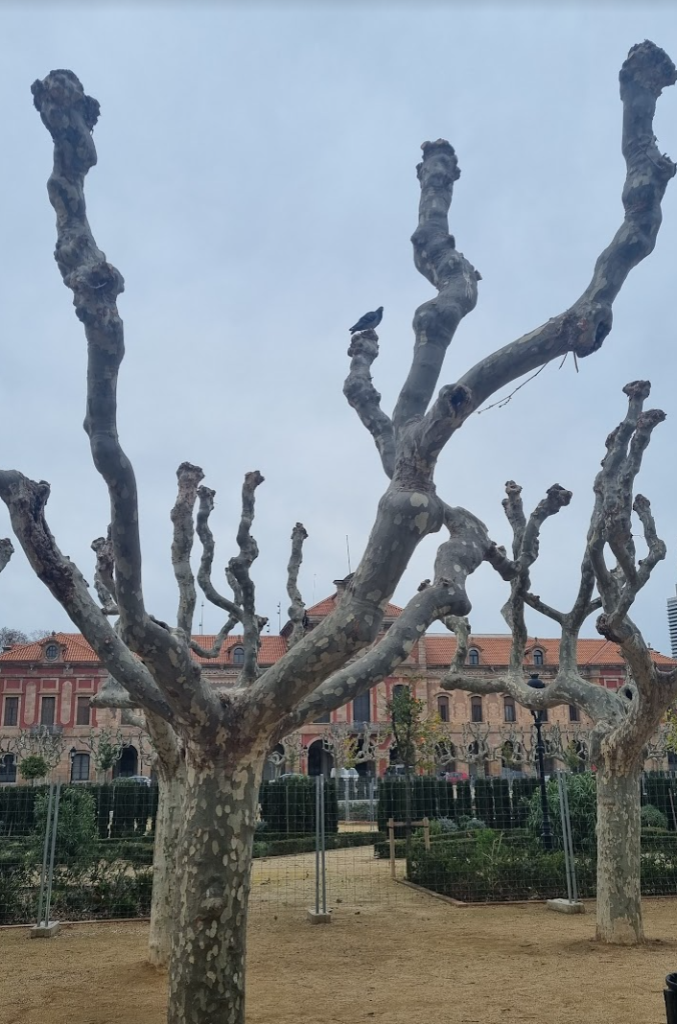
546	831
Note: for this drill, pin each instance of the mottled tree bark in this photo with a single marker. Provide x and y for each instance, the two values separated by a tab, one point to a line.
619	904
164	906
207	970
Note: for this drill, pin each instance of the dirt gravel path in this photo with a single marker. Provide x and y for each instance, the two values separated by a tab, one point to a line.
409	959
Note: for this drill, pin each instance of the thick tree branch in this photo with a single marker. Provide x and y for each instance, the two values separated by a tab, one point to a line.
104	574
365	399
611	521
204	576
6	551
456	559
189	478
297	609
26	502
437	258
219	640
70	116
526	534
241	582
566	688
582	328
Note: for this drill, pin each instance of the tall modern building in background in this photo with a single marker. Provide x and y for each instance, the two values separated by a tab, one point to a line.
672	624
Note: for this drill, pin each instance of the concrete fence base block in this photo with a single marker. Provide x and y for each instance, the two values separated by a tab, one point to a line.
565	907
317	917
45	931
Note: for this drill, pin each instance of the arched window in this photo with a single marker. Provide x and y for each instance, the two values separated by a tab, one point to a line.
509	712
443	707
538	656
473	656
475	709
127	764
80	768
399	688
8	768
238	655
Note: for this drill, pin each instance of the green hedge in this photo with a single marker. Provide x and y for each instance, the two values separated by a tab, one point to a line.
495	867
121	808
288	805
430	798
497	802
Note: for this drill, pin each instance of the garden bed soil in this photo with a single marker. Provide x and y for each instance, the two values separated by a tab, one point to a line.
414	960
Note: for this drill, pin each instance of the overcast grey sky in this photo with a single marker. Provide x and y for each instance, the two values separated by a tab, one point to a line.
256	187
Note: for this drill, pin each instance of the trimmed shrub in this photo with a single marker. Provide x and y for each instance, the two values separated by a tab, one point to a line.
76	839
288	805
651	817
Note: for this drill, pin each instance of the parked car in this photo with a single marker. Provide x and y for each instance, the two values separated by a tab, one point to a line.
142	780
454	776
346	773
396	770
291	775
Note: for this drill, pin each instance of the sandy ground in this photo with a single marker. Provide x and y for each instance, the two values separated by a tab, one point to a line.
390	956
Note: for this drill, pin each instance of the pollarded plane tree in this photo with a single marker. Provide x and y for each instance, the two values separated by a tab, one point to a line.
225	737
624	721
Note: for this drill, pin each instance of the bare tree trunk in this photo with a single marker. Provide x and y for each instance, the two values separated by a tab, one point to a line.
207	974
619	908
164	908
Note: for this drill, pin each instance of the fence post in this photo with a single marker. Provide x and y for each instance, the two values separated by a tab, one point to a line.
391	844
45	853
44	928
570	905
320	915
670	994
426	833
317	843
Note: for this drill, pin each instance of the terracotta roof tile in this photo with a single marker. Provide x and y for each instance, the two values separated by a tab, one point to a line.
79	651
329	603
76	649
272	649
495	650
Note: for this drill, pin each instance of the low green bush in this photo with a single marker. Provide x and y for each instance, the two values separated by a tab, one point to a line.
500	866
360	810
651	817
490	867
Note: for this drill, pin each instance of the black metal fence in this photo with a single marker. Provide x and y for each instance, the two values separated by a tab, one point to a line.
482	842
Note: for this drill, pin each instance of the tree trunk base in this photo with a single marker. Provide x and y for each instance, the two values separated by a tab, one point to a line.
619	905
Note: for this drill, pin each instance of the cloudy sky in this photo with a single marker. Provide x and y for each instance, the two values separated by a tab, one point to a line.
256	187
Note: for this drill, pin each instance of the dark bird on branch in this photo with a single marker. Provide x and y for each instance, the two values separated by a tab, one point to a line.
368	322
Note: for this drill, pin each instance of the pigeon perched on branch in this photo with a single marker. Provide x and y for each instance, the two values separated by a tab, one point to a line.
368	322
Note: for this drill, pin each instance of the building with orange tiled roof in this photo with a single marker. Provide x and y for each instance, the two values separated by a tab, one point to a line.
46	688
